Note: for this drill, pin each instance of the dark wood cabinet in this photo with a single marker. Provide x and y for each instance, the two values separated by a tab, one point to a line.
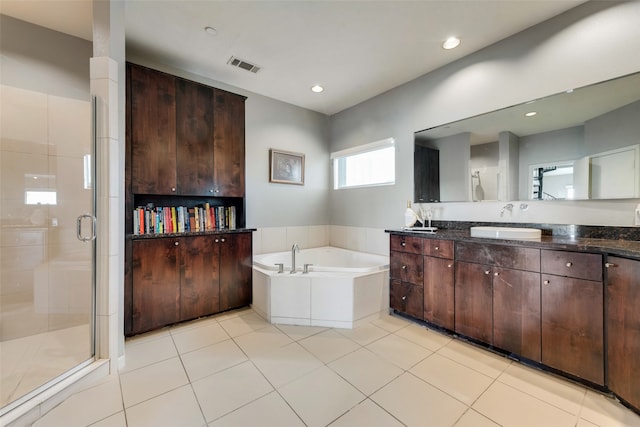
623	328
200	277
516	312
406	298
152	111
195	139
474	301
438	289
185	148
406	274
572	317
156	274
235	270
229	150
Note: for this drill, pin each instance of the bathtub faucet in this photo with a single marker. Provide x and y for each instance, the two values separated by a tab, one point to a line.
294	249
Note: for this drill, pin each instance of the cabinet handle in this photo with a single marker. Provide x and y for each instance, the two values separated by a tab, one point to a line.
211	191
404	267
569	264
437	248
404	298
487	272
217	240
546	282
449	265
403	244
176	243
496	274
610	264
173	189
222	240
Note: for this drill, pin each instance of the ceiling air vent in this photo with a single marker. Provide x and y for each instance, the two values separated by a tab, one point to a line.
241	63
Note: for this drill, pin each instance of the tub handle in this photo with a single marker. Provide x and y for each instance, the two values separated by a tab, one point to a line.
280	267
306	268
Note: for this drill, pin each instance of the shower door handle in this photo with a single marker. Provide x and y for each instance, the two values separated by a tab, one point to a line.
79	228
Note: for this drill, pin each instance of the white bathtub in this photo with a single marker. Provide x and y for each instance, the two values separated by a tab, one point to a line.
342	289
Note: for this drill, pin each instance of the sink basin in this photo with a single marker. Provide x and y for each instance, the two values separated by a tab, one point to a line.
507	233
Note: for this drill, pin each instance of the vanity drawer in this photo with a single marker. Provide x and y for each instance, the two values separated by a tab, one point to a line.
515	257
406	267
438	248
572	264
406	244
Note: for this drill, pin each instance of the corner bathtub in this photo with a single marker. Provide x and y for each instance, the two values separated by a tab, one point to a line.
342	289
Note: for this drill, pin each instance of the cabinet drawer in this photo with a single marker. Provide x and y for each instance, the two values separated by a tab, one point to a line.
406	244
438	248
572	264
406	298
406	267
518	258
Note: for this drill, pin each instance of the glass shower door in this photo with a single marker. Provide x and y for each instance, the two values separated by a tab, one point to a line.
47	246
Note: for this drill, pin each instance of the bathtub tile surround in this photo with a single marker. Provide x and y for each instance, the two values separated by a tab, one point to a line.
322	377
362	239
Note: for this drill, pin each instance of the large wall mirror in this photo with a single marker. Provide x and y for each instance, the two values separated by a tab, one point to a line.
579	144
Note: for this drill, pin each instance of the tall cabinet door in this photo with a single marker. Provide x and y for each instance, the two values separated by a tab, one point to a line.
200	284
235	270
194	112
474	301
153	138
229	144
156	274
623	328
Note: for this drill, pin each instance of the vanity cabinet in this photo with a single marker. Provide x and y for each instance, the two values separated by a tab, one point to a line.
572	313
623	328
406	274
438	286
497	296
235	267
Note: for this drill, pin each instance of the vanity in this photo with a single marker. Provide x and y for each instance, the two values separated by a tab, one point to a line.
569	305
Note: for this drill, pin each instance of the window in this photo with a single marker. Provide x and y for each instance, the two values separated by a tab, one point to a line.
366	165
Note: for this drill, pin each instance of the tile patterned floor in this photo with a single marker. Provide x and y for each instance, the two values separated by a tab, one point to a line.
238	370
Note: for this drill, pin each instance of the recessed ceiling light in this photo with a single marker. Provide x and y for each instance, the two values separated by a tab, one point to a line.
531	113
450	43
211	31
317	88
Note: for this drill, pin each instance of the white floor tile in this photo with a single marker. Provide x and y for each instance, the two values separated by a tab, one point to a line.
297	333
367	414
328	346
286	364
262	341
230	389
115	420
365	334
146	352
390	323
211	359
321	397
455	379
399	351
151	381
416	403
545	386
268	411
176	408
187	340
365	370
510	407
243	324
473	419
604	411
424	337
475	358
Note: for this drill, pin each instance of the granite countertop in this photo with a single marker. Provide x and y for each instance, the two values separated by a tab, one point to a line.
612	241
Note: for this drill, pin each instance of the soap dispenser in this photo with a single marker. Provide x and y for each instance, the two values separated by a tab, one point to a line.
410	216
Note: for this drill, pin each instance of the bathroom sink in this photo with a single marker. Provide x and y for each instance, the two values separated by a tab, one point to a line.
507	233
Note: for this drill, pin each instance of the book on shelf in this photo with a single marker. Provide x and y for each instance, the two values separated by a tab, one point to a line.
182	219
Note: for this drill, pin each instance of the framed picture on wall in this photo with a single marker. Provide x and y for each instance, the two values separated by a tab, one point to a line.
286	167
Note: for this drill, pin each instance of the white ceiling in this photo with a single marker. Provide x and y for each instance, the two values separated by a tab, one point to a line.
355	49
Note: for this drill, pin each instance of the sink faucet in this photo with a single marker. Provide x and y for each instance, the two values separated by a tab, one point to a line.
508	206
295	248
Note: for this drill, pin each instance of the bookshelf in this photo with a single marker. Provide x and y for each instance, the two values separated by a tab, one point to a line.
185	155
